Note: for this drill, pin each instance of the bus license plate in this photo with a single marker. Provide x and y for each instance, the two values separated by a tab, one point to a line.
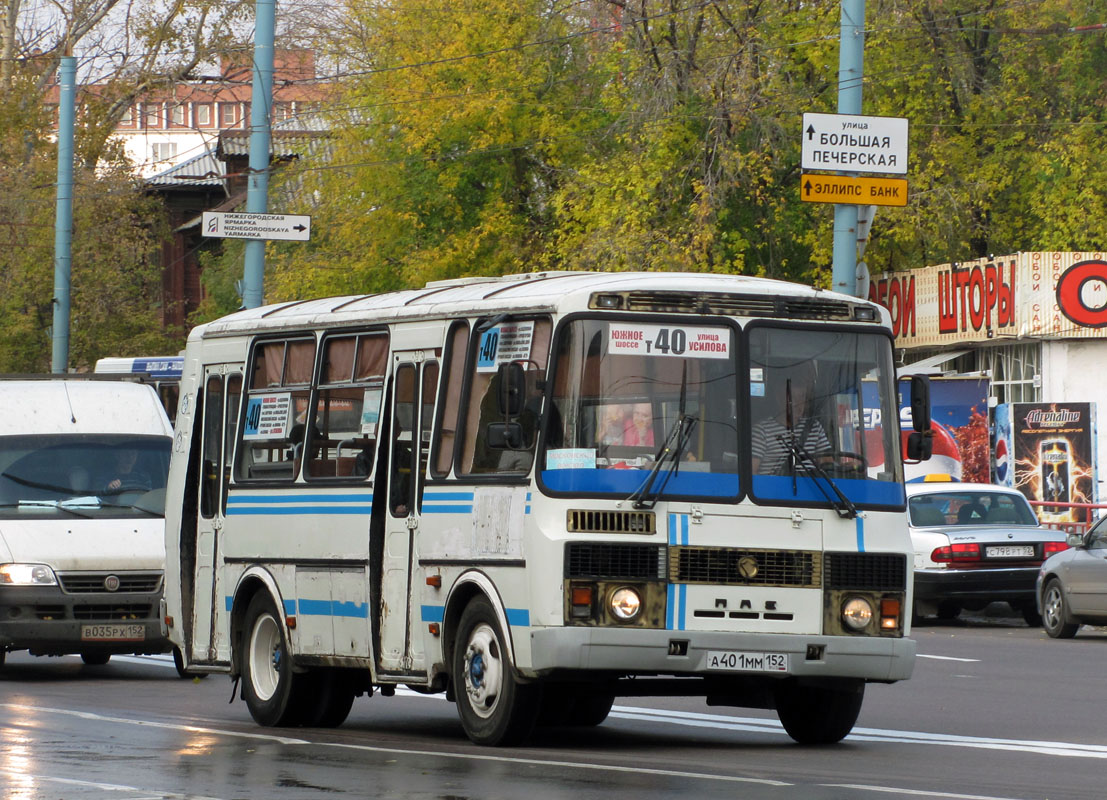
747	662
1010	551
113	633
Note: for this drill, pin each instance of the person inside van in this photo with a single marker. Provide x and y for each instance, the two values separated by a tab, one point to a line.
126	476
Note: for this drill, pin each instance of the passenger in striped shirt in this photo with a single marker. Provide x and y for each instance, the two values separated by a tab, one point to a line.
771	455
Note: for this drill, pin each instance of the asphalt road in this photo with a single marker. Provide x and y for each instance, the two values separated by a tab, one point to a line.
995	710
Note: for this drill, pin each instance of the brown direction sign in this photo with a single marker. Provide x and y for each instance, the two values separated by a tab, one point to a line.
851	190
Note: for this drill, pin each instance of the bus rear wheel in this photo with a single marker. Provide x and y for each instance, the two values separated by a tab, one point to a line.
495	708
819	714
275	695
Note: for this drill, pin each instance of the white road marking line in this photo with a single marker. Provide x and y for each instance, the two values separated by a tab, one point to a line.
948	658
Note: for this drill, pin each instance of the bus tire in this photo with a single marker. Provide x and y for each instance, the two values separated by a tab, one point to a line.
495	708
333	698
275	695
96	659
818	714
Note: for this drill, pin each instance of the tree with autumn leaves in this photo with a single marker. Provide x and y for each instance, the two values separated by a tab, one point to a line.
483	137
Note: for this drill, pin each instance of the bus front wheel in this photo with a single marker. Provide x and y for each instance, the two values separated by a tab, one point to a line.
495	708
818	714
274	693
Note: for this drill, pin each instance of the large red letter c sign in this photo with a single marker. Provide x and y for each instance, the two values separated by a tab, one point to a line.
1082	293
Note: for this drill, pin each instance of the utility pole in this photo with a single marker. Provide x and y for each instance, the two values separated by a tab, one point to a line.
63	216
257	190
851	52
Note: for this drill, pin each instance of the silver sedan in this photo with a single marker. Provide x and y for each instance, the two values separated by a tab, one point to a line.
1072	585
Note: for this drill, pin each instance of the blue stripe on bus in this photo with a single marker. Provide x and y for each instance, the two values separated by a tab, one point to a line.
332	608
239	499
860	521
516	617
289	606
677	602
432	508
262	511
444	496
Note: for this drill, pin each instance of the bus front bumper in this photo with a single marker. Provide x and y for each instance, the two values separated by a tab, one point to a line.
629	651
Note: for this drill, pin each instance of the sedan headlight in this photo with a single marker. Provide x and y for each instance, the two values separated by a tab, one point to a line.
857	613
27	575
625	604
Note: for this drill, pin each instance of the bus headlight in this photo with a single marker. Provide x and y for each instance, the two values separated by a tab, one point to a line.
857	613
27	575
625	603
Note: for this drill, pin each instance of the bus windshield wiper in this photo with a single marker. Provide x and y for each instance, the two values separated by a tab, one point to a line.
801	457
676	441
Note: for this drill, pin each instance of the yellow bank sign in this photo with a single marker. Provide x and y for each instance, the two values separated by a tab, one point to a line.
853	190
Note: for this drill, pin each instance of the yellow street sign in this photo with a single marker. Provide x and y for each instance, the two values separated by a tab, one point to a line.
852	190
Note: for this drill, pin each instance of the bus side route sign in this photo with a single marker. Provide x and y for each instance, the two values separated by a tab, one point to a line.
850	190
236	225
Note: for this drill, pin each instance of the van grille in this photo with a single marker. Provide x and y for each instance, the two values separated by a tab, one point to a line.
584	521
93	582
878	572
619	561
727	566
113	612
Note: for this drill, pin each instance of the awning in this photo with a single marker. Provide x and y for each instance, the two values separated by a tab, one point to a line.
930	366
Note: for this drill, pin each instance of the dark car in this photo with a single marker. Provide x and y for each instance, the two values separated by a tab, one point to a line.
1072	585
976	544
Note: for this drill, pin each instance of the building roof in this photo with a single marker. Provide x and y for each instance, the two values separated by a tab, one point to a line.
202	170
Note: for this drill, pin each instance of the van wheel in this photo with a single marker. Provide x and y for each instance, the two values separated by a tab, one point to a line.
818	714
96	659
275	695
495	709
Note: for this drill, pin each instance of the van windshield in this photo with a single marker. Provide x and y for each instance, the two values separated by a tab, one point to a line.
83	475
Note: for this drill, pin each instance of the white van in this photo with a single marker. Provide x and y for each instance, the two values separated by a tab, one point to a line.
83	466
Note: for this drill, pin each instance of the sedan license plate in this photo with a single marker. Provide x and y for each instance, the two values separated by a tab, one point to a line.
1010	551
113	633
733	661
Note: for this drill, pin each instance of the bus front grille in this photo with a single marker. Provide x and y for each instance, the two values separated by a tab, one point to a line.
586	521
618	561
878	572
725	566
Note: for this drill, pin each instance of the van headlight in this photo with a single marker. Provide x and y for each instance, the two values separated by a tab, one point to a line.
857	613
27	575
625	604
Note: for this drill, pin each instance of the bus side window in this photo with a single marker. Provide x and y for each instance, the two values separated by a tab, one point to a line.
477	457
274	426
454	376
343	434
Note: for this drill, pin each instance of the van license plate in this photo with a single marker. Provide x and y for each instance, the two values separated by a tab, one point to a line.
733	661
113	633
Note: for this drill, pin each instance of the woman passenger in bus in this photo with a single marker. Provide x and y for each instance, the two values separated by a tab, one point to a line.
639	428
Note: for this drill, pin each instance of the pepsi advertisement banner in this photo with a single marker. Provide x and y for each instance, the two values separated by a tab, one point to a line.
1047	451
959	414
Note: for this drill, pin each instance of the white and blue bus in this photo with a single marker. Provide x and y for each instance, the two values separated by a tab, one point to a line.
541	492
161	372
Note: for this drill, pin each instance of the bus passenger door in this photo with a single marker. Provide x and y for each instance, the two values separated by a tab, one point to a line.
222	391
415	384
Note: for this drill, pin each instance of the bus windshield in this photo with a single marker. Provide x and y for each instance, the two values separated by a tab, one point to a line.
822	417
623	390
628	394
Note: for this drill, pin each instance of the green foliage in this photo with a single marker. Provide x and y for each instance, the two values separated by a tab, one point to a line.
117	229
